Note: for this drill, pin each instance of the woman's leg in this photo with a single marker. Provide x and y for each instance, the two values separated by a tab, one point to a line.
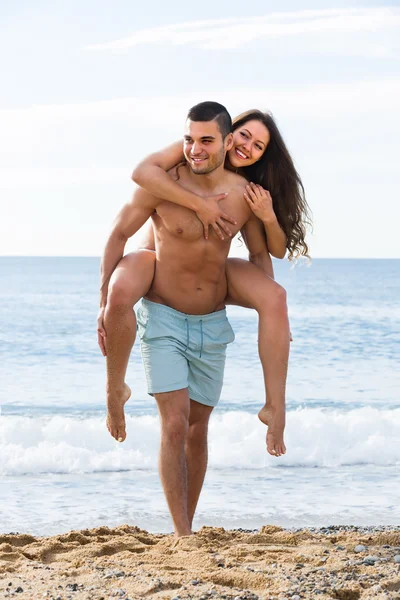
248	286
130	281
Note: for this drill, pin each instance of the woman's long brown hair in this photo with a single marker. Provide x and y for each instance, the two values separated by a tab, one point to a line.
276	173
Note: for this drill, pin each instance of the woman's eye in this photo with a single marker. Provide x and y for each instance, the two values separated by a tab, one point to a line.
258	147
243	134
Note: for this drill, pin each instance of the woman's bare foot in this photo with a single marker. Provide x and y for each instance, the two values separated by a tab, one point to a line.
115	412
274	418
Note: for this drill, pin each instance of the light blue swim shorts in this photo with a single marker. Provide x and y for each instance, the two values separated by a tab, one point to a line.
184	351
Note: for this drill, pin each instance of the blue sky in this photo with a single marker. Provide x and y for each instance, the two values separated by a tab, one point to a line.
89	88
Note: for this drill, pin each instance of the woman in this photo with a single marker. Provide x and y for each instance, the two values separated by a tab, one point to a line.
259	154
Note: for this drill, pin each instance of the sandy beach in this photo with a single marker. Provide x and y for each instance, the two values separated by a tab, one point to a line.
273	563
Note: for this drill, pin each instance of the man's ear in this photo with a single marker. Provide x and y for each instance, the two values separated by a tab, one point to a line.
228	141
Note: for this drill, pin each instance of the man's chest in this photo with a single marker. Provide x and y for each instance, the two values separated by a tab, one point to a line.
184	223
178	221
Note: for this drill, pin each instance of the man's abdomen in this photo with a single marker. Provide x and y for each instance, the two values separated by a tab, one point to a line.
196	291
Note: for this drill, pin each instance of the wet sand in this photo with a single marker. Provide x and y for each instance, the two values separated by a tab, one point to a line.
272	563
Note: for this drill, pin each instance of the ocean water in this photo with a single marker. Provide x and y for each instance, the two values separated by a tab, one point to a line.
61	470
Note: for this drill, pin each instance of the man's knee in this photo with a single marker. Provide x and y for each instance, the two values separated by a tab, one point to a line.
175	428
197	433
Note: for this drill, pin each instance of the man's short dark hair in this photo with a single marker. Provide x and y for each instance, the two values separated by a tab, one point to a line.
212	111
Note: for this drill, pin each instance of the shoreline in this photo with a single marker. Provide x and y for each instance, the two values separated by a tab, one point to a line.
345	562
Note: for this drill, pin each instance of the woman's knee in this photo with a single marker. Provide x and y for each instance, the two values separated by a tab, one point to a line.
132	278
267	296
119	292
279	294
272	298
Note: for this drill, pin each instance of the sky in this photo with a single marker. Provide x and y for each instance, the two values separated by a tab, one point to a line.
89	88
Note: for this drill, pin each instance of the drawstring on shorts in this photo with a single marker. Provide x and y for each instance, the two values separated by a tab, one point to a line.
201	335
187	334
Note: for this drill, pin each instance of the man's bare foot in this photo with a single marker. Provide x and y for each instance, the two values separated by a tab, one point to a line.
274	418
183	533
115	413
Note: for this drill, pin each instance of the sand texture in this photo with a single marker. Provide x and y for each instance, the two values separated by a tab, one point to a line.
273	563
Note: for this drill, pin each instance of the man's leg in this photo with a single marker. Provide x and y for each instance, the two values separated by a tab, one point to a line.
251	288
130	281
174	409
196	453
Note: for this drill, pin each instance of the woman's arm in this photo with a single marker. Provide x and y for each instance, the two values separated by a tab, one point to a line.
151	174
260	202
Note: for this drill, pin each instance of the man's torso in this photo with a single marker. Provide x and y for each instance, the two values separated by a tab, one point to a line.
190	270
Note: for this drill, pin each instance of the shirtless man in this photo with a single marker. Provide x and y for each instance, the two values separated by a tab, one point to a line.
182	322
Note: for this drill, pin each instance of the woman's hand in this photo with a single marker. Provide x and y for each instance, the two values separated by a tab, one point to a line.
210	214
260	202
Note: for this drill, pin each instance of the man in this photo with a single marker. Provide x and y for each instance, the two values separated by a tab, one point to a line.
182	322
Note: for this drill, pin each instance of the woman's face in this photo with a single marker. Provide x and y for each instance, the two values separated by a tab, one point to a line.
249	143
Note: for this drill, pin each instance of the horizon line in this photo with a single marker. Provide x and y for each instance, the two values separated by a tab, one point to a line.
273	258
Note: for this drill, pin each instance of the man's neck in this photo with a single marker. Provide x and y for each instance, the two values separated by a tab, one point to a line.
207	181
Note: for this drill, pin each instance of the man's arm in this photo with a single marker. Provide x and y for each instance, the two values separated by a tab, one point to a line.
152	175
129	220
254	237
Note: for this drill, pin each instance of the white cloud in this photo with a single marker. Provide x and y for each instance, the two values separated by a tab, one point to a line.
316	100
342	136
53	145
364	31
42	177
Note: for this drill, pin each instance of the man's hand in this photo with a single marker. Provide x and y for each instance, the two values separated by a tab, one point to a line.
101	332
211	214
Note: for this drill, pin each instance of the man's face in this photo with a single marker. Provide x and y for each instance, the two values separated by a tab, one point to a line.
203	146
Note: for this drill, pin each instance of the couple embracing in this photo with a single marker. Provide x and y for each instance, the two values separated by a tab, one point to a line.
225	178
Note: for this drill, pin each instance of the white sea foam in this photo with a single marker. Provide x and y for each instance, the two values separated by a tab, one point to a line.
366	312
315	437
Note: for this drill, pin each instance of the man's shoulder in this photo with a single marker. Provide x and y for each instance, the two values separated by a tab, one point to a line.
178	171
236	184
235	180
